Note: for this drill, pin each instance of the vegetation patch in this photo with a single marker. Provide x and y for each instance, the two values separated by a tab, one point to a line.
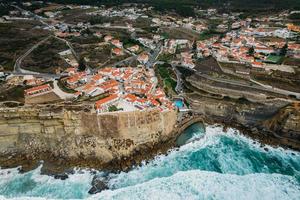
168	83
292	61
24	37
274	59
62	85
15	93
165	57
114	108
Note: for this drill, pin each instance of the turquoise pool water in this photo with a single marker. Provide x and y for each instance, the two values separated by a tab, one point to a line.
178	103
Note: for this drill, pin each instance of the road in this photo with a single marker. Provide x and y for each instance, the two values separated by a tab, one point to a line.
35	16
60	93
70	46
153	56
129	59
17	66
179	86
236	83
41	75
118	27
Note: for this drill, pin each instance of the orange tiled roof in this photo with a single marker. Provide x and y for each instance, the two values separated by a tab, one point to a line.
74	79
130	97
37	88
109	85
99	103
97	77
117	51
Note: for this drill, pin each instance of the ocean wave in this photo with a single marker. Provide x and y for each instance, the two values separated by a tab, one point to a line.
223	152
34	185
197	184
215	165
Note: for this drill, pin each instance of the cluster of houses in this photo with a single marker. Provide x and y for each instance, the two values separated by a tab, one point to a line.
131	13
126	88
245	46
259	47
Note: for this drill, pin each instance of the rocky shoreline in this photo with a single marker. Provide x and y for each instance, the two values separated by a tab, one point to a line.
54	166
61	166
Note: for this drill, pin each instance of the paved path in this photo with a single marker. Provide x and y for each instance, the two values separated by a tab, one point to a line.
70	46
60	93
17	66
260	87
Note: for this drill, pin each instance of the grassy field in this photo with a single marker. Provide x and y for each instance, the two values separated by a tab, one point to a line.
165	57
179	33
206	35
282	83
76	15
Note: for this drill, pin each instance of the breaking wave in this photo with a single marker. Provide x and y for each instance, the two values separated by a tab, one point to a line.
210	165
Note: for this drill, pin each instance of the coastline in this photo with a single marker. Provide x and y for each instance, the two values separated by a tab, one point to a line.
145	152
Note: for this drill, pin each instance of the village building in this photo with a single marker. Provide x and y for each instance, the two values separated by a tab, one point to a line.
102	105
117	43
108	38
117	51
134	48
143	58
39	90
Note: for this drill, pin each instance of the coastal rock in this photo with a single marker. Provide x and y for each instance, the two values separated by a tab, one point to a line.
61	176
98	185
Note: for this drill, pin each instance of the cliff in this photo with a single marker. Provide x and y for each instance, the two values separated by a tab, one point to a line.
276	121
78	138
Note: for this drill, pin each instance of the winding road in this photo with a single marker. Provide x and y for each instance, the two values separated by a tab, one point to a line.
17	66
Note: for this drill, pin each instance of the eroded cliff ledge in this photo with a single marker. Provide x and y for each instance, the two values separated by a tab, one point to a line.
65	138
266	116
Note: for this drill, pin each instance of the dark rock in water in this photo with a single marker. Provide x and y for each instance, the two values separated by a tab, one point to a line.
266	149
61	176
97	185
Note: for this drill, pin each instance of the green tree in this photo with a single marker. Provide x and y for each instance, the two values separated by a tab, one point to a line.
112	108
81	64
251	51
283	50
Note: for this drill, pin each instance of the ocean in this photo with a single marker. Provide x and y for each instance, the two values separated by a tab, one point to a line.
210	164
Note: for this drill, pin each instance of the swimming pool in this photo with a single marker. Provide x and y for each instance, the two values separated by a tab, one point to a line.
178	103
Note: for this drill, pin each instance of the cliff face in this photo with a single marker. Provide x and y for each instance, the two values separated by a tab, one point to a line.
78	137
275	122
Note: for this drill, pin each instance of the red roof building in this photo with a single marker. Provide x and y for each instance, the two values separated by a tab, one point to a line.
35	91
103	104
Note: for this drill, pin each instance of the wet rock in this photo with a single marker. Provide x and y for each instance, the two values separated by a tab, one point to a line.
98	185
266	149
61	176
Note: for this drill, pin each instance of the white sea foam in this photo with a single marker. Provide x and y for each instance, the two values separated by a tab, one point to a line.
33	185
196	184
218	165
